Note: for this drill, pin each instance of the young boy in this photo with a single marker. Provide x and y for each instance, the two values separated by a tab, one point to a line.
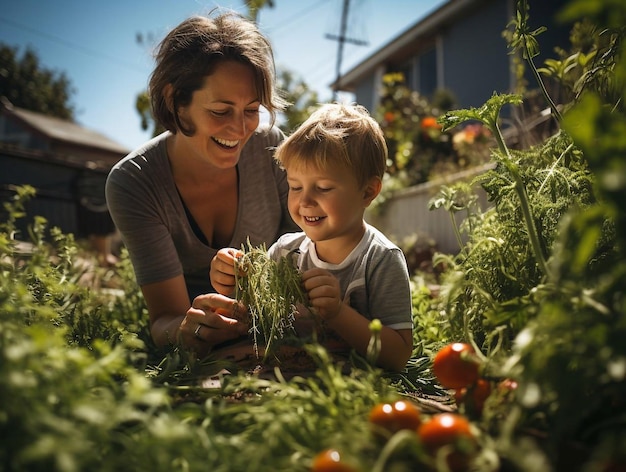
352	273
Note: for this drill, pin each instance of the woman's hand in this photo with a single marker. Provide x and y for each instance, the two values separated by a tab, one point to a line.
222	271
212	319
324	292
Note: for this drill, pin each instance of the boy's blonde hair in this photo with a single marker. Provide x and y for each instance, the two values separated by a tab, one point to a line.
338	134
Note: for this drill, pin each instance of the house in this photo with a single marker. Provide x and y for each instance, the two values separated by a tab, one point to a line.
66	163
458	47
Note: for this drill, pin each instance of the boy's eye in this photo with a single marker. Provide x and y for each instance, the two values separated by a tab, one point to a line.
293	188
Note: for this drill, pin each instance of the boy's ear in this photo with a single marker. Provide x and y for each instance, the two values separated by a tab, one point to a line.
371	191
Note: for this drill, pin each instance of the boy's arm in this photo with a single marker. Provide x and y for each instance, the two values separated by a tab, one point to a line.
325	297
396	346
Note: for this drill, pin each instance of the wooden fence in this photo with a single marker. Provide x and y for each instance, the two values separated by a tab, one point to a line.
406	213
62	188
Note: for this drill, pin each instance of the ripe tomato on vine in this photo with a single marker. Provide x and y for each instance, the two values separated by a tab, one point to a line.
474	396
449	429
329	460
395	416
455	366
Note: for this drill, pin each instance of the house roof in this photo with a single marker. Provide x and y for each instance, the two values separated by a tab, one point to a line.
401	46
63	130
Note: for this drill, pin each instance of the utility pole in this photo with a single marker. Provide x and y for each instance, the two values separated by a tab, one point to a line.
342	38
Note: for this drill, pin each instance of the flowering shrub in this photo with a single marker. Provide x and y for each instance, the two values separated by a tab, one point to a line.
419	149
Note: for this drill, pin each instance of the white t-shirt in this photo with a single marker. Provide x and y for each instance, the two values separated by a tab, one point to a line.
374	278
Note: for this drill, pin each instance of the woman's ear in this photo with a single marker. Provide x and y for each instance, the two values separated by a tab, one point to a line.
168	92
371	191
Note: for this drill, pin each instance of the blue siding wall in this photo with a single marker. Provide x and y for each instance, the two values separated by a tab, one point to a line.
476	56
365	94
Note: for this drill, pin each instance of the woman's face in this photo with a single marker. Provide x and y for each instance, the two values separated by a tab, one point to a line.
224	112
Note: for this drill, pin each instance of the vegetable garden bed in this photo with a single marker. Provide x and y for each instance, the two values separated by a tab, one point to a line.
536	295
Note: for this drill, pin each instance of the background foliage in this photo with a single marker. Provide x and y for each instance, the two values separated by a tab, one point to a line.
28	84
538	289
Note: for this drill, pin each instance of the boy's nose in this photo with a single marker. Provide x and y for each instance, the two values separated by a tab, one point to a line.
306	199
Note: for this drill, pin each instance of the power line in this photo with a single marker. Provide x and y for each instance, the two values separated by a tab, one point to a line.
302	14
342	38
73	46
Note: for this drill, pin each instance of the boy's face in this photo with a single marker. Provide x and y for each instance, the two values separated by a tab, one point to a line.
328	205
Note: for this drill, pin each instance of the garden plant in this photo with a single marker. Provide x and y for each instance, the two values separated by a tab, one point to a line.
519	362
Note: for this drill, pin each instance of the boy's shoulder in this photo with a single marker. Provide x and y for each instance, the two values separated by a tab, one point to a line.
287	243
376	236
291	240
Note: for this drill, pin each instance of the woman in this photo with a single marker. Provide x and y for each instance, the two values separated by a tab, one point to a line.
208	182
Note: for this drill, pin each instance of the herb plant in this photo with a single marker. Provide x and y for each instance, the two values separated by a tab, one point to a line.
272	291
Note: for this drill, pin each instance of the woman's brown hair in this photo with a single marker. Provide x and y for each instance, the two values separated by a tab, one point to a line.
191	51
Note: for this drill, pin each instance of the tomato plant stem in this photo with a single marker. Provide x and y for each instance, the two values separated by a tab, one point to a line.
520	189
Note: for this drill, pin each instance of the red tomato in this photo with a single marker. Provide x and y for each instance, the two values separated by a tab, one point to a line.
454	366
446	429
329	460
474	396
395	416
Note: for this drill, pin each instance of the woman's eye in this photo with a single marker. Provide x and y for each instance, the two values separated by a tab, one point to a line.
219	112
254	111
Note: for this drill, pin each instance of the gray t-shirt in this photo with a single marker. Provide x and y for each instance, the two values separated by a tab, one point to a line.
374	278
150	215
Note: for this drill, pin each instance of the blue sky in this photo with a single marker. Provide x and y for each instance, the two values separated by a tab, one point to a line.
94	44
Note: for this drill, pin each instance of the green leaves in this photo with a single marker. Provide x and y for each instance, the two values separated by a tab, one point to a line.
272	291
487	113
28	84
523	38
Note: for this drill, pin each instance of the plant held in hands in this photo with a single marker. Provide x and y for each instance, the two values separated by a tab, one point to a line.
272	291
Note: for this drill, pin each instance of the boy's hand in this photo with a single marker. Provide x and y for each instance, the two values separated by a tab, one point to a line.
223	270
324	292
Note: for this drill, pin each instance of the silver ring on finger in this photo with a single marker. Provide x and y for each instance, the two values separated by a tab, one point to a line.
196	332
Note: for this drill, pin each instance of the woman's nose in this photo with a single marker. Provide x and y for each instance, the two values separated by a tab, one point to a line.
238	124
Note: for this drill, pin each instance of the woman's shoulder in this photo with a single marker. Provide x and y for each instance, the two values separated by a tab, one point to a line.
146	164
257	157
146	155
266	137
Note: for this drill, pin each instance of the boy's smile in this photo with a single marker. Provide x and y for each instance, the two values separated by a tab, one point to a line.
328	205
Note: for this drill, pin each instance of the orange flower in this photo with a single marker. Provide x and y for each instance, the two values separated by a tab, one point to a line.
430	122
389	116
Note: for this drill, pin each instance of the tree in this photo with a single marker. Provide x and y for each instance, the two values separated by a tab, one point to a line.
299	95
27	84
254	6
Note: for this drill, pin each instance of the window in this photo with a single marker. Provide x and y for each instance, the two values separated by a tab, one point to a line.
427	72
